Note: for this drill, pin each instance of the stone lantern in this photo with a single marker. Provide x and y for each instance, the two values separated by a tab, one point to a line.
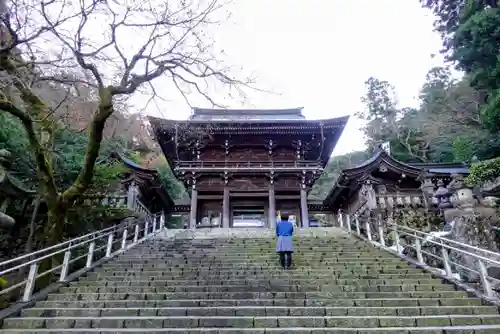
10	188
442	196
471	226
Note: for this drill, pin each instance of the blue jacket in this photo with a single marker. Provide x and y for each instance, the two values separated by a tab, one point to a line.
284	228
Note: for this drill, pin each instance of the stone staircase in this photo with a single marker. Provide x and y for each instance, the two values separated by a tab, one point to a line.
234	284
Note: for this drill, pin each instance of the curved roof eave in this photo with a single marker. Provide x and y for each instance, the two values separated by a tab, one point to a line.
377	159
133	165
163	121
348	174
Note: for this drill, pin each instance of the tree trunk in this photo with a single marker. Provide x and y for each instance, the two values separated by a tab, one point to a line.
96	128
53	234
56	217
28	248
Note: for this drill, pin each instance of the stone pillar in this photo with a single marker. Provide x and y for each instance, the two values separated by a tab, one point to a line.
368	194
427	188
303	208
194	206
272	208
162	220
225	208
131	196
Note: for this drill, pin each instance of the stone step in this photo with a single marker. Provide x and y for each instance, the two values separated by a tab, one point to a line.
246	270
265	261
338	285
340	302
260	253
256	269
267	282
260	288
319	257
250	241
350	243
255	311
251	322
304	275
223	258
301	246
337	248
257	273
479	329
271	260
255	295
246	262
269	251
249	267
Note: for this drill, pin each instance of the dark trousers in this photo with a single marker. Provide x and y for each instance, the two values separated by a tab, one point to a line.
285	259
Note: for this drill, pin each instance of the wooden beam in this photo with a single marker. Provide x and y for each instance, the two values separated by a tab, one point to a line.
210	196
250	194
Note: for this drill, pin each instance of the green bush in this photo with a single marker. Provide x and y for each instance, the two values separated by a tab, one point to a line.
484	171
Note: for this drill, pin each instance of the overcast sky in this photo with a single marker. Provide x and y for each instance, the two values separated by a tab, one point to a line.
317	54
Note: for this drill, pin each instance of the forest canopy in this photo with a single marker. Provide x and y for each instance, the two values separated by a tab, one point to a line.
458	120
446	127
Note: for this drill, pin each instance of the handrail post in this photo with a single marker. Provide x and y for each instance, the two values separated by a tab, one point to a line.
153	218
368	230
483	272
90	255
418	249
348	222
162	221
341	222
358	230
446	261
136	233
30	282
109	246
146	228
397	241
381	233
65	266
124	238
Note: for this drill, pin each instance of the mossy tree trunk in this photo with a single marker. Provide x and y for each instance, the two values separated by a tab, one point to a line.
37	119
53	234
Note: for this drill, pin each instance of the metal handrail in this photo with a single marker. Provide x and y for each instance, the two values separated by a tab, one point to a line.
91	234
105	240
451	241
484	259
22	257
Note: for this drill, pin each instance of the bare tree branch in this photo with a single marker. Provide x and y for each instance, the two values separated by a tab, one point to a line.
110	50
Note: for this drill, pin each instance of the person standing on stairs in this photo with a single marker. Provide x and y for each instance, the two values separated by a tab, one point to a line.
284	244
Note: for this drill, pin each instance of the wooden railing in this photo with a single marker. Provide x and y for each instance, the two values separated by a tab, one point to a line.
117	201
248	164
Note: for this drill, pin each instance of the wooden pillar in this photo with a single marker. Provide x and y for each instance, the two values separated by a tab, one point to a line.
272	207
194	203
225	208
303	208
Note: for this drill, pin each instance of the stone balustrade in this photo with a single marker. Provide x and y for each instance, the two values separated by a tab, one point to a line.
389	201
